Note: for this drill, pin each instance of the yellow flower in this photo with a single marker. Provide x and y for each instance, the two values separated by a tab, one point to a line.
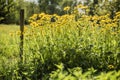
25	28
111	67
67	8
41	15
18	32
11	33
117	13
81	6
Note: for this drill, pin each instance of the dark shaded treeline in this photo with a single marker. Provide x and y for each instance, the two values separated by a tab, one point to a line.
9	9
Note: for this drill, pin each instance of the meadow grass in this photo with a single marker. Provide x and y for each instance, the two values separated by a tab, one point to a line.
8	48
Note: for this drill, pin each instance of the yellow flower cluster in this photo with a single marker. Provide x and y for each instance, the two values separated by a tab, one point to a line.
56	22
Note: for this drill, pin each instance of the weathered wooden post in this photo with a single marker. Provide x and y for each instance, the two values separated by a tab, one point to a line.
21	35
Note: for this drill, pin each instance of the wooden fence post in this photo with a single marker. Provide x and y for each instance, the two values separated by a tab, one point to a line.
21	35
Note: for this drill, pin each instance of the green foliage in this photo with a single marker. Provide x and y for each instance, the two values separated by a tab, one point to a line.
102	7
55	6
10	10
29	7
49	6
77	74
7	11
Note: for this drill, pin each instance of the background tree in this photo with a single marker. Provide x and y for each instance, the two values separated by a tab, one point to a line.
70	3
29	7
49	6
9	9
19	4
55	6
6	11
102	7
